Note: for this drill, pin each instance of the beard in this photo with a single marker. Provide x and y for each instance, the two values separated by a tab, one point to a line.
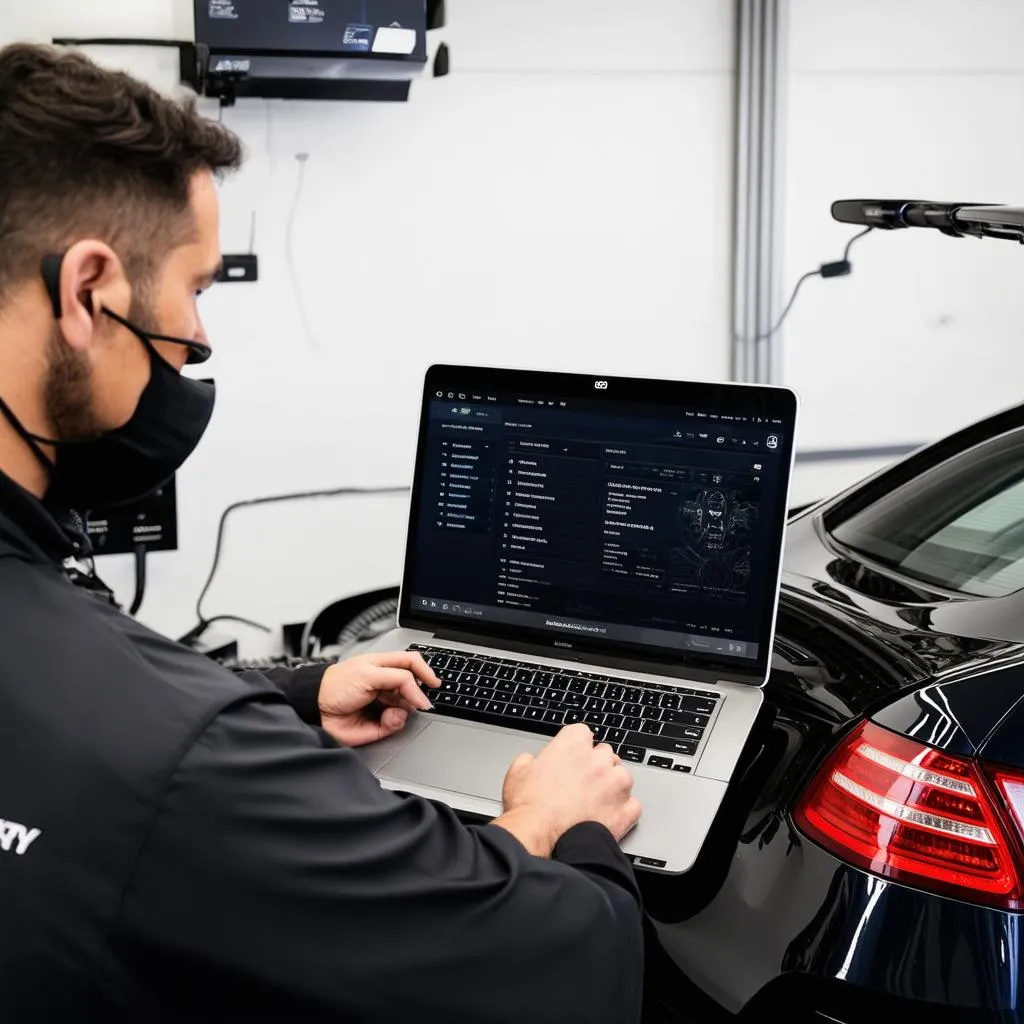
68	385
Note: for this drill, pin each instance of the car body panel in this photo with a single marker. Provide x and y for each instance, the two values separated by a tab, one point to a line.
768	921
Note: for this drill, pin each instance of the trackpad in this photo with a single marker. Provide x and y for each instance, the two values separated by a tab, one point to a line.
460	759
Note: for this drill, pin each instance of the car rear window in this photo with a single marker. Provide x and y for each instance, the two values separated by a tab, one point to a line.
959	526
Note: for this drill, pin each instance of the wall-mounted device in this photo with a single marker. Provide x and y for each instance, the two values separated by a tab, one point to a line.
149	524
310	49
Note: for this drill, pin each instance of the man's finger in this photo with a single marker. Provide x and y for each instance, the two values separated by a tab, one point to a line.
394	699
369	730
393	719
411	661
520	762
579	732
400	682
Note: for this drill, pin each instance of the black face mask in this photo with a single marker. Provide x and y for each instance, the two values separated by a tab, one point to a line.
136	459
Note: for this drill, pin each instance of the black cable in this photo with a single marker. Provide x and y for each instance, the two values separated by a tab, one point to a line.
140	579
838	268
203	623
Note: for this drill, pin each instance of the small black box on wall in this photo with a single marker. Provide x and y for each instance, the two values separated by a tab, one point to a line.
152	522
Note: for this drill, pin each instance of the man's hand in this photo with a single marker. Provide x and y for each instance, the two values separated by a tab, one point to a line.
570	781
369	697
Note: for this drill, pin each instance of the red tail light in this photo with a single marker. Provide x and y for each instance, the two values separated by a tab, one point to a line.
904	811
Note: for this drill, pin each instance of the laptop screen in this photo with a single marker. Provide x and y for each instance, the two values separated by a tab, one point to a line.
632	517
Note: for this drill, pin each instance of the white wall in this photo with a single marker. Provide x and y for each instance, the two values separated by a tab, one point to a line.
561	200
912	99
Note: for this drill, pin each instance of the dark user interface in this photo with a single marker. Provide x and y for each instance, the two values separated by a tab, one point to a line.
590	519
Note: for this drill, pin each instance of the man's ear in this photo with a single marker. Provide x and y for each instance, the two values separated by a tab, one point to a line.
91	278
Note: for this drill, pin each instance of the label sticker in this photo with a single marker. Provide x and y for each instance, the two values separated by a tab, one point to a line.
357	37
305	12
394	39
223	9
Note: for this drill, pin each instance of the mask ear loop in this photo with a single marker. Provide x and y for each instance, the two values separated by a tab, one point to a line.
51	267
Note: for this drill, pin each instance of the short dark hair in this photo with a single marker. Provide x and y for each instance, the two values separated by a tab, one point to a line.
90	153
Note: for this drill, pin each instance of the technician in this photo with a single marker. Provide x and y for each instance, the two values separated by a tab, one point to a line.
175	842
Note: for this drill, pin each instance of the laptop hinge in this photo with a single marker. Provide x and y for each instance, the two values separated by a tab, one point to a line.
630	663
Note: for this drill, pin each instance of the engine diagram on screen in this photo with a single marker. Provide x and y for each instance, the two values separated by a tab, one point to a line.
712	556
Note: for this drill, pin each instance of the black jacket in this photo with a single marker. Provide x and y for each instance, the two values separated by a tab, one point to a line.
176	845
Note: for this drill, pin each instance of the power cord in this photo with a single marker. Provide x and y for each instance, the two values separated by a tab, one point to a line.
140	579
838	268
192	636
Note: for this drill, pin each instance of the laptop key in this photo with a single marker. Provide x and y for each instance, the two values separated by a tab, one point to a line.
650	699
666	743
487	718
697	705
659	762
670	700
594	704
488	668
572	716
457	664
632	724
649	728
685	718
631	695
614	691
533	714
630	753
503	685
505	671
524	676
554	717
616	736
682	732
595	689
632	710
496	707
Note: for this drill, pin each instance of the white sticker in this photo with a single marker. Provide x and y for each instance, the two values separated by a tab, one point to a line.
223	9
394	39
305	12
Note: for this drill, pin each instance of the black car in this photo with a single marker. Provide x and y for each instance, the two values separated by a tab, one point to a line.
870	859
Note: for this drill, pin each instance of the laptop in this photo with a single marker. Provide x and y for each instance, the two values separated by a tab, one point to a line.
592	549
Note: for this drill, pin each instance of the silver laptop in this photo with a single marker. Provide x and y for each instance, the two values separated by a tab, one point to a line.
604	550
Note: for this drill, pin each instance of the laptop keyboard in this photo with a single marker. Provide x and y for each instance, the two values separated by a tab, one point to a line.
647	723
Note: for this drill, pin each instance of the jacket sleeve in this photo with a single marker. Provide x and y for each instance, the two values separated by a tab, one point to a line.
300	686
280	881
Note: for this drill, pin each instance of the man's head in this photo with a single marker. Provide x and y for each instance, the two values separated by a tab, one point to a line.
120	180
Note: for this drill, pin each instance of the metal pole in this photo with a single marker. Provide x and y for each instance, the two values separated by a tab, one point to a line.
758	189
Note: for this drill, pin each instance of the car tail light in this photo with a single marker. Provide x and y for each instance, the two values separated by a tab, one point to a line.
919	816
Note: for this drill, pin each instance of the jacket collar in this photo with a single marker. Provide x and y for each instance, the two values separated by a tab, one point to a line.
33	532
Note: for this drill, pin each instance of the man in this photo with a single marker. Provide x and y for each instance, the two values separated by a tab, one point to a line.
175	844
